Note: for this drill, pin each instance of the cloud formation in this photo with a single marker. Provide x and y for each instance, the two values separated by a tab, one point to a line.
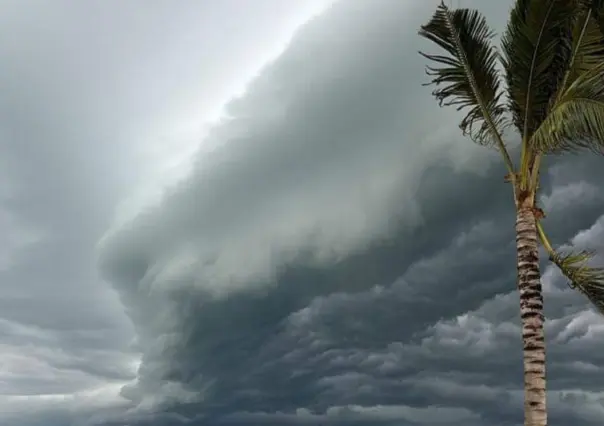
344	256
96	96
337	254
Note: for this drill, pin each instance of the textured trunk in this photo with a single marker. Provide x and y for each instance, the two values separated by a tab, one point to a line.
531	313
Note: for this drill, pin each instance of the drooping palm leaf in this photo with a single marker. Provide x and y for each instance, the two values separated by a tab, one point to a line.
467	76
587	279
577	119
536	49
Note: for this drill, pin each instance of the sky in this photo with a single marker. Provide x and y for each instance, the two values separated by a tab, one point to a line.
253	213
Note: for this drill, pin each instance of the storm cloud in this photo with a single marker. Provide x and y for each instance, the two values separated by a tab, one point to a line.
337	253
343	255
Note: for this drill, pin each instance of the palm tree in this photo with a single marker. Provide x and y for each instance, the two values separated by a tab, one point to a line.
552	66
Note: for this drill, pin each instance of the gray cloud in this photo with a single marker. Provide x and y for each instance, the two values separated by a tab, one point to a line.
340	258
95	100
338	254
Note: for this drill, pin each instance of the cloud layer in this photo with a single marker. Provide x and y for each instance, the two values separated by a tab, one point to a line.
96	99
342	255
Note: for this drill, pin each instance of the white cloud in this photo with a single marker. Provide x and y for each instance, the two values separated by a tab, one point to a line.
591	238
564	196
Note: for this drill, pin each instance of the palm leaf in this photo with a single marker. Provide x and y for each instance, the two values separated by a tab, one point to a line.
467	75
577	119
582	277
536	52
597	9
587	47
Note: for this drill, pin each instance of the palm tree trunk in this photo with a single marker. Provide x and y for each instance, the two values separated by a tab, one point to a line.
531	313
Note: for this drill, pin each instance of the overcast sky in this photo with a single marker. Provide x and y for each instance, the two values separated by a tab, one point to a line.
250	212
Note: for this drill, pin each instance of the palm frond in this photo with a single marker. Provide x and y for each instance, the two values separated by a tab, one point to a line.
587	41
597	9
536	52
582	277
577	119
467	75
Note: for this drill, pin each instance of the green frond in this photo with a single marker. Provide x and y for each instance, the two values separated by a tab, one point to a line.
577	119
582	277
467	76
587	41
536	49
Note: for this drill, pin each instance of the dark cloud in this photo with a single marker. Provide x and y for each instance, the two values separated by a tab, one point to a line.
97	101
344	256
340	256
